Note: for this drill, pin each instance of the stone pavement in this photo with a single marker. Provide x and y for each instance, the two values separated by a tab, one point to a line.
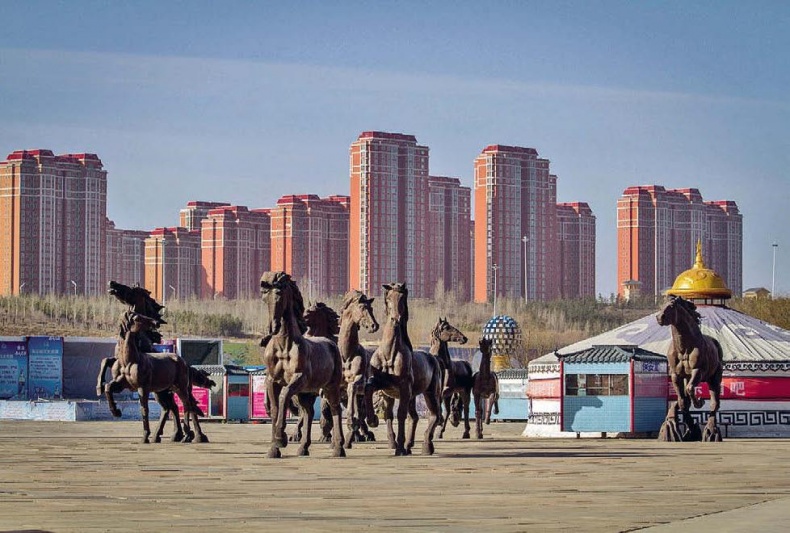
95	476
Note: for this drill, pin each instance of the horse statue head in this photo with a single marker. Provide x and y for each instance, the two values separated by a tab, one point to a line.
678	311
284	301
397	308
322	321
485	346
443	331
138	299
358	309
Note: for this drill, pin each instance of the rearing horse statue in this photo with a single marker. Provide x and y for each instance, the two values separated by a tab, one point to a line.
297	366
693	358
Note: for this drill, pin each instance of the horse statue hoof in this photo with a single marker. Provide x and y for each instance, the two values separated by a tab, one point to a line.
373	421
280	442
370	437
465	435
177	437
157	439
427	448
338	452
303	451
274	453
116	412
711	433
669	432
202	438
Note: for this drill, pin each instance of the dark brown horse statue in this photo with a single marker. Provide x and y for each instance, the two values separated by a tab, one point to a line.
140	302
402	373
456	375
149	373
297	365
485	388
693	358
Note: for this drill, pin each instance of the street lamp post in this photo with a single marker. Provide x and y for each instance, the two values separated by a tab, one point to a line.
494	267
525	240
22	286
773	271
75	286
174	291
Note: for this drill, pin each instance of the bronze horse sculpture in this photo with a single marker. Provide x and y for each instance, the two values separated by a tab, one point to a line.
140	301
150	373
297	365
402	373
356	312
693	358
485	388
456	375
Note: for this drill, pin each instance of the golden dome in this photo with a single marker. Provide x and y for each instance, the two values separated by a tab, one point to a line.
699	282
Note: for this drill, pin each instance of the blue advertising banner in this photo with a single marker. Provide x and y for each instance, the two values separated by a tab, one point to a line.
45	367
13	370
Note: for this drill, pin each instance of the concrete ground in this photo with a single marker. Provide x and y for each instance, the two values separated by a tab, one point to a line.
95	476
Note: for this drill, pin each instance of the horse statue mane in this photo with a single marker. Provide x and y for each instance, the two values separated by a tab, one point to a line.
283	281
350	298
320	313
688	306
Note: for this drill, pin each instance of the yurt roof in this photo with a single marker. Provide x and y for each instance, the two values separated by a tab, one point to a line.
743	338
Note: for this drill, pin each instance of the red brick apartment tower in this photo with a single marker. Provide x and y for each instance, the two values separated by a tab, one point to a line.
125	255
310	242
172	264
53	212
515	197
195	212
657	232
577	250
449	227
725	251
230	253
389	212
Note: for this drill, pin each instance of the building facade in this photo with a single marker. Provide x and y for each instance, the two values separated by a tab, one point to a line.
125	255
576	232
516	246
309	240
388	213
53	212
657	232
191	217
172	264
235	251
449	244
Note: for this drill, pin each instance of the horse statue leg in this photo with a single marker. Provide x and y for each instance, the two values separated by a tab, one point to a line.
306	413
116	385
143	393
325	421
273	391
435	413
332	394
669	431
352	413
480	403
404	400
414	417
446	396
106	363
712	433
465	400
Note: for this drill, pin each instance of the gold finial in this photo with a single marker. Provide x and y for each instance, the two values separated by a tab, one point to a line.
698	261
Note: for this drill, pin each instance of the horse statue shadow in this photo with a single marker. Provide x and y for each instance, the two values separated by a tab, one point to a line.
693	358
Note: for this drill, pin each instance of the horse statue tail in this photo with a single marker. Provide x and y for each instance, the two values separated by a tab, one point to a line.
200	378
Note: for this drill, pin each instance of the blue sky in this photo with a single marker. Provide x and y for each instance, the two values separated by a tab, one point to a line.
246	101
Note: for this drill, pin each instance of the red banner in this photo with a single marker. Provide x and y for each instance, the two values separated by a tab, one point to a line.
746	388
202	396
543	388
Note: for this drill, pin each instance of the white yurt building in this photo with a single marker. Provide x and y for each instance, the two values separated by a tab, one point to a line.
756	384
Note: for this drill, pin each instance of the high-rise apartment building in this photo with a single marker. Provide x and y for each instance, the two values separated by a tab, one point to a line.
389	213
195	212
515	225
172	264
235	251
125	255
449	243
657	232
53	212
310	241
576	232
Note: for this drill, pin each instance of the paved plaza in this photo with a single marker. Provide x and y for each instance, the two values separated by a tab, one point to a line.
95	476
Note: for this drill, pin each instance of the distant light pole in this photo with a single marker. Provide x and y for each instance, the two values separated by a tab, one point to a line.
22	286
75	286
525	240
174	291
773	271
494	267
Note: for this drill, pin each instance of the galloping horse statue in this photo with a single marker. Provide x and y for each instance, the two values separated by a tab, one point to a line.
693	358
150	372
485	388
140	302
402	373
456	375
297	366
